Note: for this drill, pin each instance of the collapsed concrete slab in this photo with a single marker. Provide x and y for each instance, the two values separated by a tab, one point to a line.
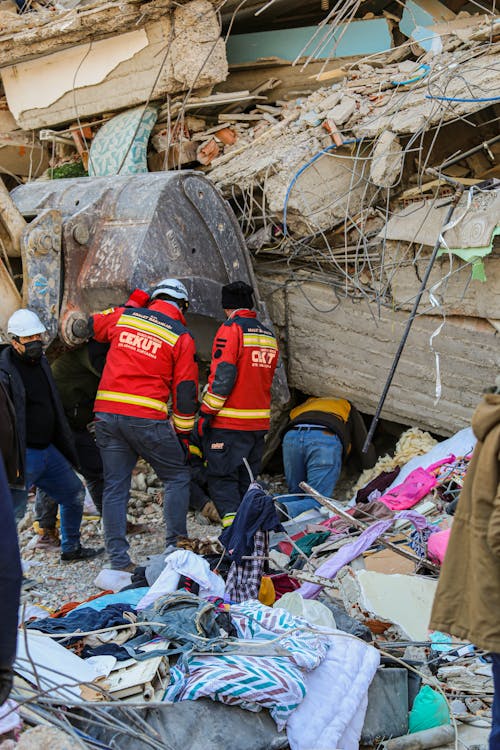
338	347
180	51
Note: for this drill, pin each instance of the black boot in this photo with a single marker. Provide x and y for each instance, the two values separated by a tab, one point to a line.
81	553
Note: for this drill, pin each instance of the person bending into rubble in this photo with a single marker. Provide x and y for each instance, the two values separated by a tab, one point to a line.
152	357
236	407
467	601
321	434
45	440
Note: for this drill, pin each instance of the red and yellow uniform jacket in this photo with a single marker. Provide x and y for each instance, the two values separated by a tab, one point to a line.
244	358
152	357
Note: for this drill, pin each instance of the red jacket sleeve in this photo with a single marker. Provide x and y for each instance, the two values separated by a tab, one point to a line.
184	385
226	351
103	324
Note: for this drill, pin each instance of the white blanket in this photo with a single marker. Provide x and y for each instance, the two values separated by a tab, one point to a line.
333	711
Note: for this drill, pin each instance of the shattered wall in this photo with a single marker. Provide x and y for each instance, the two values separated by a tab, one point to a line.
338	347
180	51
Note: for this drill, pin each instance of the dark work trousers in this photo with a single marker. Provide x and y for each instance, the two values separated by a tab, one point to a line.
495	724
198	489
90	462
228	478
122	439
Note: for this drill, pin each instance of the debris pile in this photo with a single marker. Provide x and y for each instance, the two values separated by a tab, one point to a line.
341	596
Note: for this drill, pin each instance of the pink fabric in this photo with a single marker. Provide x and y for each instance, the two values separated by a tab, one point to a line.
437	545
407	494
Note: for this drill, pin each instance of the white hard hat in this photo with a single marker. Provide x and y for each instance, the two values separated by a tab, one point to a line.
25	323
173	287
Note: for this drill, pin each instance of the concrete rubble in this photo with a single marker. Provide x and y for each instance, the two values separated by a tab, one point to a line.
338	166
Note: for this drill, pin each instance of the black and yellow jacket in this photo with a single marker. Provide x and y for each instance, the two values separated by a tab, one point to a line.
341	418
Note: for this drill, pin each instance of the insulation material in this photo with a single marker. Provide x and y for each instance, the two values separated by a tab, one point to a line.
404	600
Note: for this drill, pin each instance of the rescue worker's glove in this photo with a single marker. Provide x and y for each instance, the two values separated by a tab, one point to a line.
6	681
203	425
138	298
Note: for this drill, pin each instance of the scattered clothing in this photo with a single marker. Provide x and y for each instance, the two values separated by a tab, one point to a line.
244	578
183	563
274	682
350	551
256	512
380	483
81	621
307	543
437	545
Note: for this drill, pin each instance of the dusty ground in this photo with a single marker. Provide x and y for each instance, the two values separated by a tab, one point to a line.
52	582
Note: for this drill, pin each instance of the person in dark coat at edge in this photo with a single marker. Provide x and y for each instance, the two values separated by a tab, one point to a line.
236	408
44	439
10	585
467	601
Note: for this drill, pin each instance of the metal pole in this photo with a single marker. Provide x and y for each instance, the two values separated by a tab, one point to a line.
413	314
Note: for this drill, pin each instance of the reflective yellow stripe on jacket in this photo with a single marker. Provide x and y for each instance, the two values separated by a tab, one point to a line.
213	401
259	339
245	413
132	398
184	424
147	326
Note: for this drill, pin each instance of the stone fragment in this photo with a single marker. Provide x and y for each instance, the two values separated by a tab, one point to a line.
387	160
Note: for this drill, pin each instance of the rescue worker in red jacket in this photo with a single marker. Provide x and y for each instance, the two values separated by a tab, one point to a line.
152	358
236	408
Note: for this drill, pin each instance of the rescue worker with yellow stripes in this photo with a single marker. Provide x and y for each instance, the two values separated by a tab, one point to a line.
236	407
152	358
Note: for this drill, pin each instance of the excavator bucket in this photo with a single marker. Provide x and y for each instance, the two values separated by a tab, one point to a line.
130	231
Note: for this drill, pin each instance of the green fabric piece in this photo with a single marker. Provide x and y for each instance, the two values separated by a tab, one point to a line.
307	542
429	710
473	255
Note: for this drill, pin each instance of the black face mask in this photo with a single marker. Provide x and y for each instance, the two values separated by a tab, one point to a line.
33	351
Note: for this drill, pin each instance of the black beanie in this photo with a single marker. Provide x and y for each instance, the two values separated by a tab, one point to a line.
236	295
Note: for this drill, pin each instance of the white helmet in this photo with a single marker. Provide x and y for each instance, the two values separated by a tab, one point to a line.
25	322
173	287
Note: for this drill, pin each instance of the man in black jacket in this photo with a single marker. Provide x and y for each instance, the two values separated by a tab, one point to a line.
321	435
45	441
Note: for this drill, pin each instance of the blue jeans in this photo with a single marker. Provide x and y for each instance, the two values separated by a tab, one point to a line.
49	470
311	455
121	440
495	726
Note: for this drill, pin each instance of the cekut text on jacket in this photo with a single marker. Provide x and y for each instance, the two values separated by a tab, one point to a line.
244	358
152	357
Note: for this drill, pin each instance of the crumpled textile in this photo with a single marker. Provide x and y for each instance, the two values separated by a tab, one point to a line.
67	607
333	711
349	552
381	482
187	620
183	563
307	542
117	636
244	579
417	485
256	512
274	682
10	720
82	621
